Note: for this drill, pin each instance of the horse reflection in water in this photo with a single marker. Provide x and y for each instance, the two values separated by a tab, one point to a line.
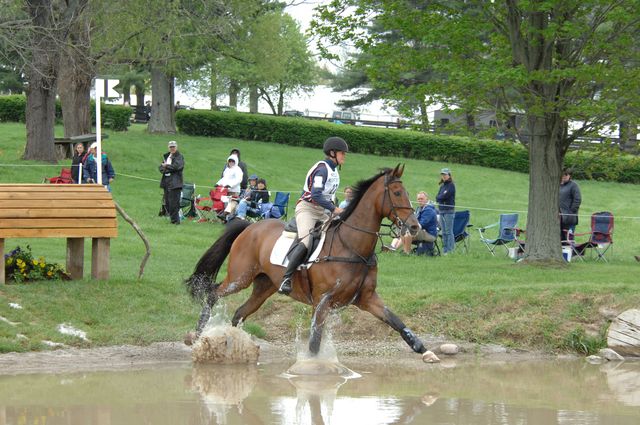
345	272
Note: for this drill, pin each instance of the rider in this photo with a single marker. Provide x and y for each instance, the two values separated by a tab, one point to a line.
320	186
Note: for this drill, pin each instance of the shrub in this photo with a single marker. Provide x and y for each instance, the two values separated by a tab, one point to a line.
606	164
118	118
21	266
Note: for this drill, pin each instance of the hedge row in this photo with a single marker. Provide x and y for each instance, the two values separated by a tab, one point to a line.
598	165
118	118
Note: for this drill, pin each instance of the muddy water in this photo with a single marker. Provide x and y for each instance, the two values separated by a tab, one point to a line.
522	393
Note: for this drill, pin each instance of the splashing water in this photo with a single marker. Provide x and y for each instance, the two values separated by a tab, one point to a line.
325	363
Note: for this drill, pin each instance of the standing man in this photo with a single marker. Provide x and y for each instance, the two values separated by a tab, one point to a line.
171	169
446	205
569	203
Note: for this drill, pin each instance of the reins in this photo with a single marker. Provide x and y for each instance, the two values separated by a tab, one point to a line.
371	260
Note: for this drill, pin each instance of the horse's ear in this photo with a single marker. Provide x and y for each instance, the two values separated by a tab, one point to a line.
398	170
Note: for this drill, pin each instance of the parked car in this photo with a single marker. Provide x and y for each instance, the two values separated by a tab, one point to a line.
293	113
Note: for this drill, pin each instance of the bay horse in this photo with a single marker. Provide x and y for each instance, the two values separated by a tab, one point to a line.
345	272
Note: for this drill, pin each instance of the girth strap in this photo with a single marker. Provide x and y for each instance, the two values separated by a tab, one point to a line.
370	262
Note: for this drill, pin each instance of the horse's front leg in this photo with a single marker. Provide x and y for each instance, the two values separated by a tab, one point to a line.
370	301
317	323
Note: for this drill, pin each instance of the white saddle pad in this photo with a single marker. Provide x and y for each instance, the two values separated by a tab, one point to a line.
282	246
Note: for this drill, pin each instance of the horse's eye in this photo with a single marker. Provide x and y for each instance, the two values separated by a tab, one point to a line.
398	193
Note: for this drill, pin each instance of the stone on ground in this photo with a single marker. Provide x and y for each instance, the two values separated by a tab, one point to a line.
225	345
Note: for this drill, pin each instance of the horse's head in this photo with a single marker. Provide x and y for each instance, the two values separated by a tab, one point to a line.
396	205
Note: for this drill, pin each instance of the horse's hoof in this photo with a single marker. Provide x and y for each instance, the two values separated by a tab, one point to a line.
190	338
430	357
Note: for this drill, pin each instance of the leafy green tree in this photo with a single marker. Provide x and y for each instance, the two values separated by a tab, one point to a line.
559	61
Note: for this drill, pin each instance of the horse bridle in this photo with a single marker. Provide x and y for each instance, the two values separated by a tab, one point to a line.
398	221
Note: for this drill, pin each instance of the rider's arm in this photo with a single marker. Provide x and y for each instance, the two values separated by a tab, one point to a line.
318	179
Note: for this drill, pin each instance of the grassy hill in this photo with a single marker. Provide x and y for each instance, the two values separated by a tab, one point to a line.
473	296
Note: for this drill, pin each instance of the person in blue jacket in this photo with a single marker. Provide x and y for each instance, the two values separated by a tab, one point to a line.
428	218
446	205
90	169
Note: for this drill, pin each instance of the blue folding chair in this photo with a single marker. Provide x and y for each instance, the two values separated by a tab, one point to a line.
281	202
507	229
460	227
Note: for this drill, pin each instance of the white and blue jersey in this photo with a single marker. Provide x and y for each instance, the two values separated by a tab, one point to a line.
321	184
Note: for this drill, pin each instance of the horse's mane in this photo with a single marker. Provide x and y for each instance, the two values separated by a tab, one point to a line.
359	189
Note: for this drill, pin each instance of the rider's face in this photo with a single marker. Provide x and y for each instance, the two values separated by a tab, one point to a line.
340	157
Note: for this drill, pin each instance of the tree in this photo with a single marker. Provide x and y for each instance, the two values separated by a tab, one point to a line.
562	60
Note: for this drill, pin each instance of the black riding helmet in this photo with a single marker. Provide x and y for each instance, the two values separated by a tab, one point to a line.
336	144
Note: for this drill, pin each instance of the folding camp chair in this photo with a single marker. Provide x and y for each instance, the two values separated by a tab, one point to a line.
209	208
600	236
63	178
281	203
188	201
507	226
460	227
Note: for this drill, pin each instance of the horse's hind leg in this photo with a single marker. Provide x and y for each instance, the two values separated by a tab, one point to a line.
263	288
205	314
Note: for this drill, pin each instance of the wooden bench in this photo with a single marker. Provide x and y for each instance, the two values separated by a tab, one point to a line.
64	145
69	211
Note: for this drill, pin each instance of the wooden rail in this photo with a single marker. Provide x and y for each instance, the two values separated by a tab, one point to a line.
69	211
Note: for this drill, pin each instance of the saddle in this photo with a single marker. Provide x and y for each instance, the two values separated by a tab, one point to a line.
289	239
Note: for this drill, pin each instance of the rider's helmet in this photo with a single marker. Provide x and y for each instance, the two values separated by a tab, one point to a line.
336	144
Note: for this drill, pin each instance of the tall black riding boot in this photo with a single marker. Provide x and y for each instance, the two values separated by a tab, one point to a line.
296	257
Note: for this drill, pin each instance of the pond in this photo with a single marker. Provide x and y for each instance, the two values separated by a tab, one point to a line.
384	391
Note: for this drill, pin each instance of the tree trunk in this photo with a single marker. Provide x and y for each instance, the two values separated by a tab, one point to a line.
139	95
74	91
213	88
424	116
253	99
545	169
163	116
280	99
234	89
42	74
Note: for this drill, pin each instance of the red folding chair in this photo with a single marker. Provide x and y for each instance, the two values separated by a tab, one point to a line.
63	178
209	208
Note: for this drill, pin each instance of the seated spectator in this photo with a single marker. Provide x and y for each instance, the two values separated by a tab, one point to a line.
243	167
428	219
252	204
231	179
348	196
90	168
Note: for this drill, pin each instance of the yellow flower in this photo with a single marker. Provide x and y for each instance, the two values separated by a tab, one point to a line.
35	262
9	261
49	273
42	265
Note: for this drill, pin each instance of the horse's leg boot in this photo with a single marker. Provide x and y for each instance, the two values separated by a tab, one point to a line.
296	257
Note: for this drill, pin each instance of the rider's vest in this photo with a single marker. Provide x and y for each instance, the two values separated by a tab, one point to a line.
330	185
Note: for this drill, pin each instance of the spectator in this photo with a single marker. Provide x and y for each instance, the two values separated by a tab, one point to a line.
90	168
77	163
171	169
428	218
446	205
147	109
569	203
316	203
253	203
348	196
243	167
231	178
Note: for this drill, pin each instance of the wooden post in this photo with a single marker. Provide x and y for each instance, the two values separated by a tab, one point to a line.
100	258
2	277
75	258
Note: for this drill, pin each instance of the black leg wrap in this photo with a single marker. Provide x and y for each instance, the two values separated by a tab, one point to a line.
413	341
314	342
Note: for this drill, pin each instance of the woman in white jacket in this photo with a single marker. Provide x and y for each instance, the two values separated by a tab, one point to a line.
231	178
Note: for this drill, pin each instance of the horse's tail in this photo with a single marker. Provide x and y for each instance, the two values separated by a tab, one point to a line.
201	282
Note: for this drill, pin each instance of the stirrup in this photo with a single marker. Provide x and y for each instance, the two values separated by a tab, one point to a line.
285	286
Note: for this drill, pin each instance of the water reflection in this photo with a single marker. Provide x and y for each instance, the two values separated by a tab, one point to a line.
524	393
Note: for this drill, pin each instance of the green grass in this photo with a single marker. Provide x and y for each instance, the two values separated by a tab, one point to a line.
474	297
